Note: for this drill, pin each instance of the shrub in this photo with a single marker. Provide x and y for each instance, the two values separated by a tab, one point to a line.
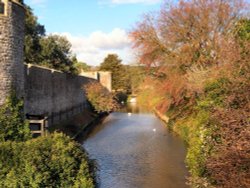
53	161
230	164
12	124
100	98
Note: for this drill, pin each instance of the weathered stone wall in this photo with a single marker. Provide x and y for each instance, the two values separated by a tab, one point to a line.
45	91
53	93
11	50
104	77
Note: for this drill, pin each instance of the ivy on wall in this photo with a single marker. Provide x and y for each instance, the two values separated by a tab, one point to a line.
13	126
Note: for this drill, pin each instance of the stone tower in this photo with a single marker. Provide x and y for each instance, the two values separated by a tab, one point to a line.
12	19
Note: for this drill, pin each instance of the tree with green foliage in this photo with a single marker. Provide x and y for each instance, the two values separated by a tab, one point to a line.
113	64
20	1
136	74
56	53
13	127
80	66
52	161
52	51
33	34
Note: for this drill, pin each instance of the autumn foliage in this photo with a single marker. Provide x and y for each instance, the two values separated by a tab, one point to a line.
100	98
199	53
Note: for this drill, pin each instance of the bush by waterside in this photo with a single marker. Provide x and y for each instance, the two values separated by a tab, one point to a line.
100	98
52	161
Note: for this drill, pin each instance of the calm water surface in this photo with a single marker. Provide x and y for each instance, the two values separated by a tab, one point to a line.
136	151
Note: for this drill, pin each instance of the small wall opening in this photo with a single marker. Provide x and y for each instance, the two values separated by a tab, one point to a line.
2	7
38	125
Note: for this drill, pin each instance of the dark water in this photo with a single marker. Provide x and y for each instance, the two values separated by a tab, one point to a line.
136	151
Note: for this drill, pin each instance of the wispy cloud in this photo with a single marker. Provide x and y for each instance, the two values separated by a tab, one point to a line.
117	2
94	48
38	2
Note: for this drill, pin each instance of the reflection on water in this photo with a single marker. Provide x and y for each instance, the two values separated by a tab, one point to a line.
133	108
136	151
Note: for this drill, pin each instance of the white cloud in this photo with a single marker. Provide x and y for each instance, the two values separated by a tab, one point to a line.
94	48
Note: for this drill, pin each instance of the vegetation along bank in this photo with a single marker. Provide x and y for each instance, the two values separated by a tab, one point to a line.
198	56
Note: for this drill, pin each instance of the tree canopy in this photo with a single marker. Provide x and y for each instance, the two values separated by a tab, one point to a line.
53	51
113	64
56	53
33	34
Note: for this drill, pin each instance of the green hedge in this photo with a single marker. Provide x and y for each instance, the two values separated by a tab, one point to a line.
53	161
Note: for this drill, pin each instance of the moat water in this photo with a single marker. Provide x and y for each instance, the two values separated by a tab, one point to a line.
134	149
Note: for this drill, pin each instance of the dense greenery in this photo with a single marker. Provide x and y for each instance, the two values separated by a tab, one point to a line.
100	98
113	64
53	161
80	66
135	76
33	34
56	53
199	51
20	1
51	51
13	127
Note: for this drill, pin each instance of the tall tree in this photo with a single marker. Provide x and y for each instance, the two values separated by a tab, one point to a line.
56	53
33	33
113	64
186	39
52	51
187	33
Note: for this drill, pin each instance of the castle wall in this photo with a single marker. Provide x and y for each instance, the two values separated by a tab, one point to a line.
53	93
45	91
104	77
11	50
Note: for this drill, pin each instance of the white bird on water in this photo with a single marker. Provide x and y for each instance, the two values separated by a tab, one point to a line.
129	114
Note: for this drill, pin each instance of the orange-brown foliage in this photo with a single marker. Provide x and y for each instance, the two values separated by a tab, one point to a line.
191	43
186	35
230	166
99	97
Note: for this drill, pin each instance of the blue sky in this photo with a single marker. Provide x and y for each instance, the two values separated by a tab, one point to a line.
94	27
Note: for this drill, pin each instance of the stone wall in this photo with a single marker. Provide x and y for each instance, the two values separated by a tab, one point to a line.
53	93
104	77
11	50
46	92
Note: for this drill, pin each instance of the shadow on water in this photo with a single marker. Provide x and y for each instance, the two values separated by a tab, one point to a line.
133	149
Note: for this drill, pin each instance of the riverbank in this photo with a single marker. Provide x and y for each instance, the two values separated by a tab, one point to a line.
216	130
